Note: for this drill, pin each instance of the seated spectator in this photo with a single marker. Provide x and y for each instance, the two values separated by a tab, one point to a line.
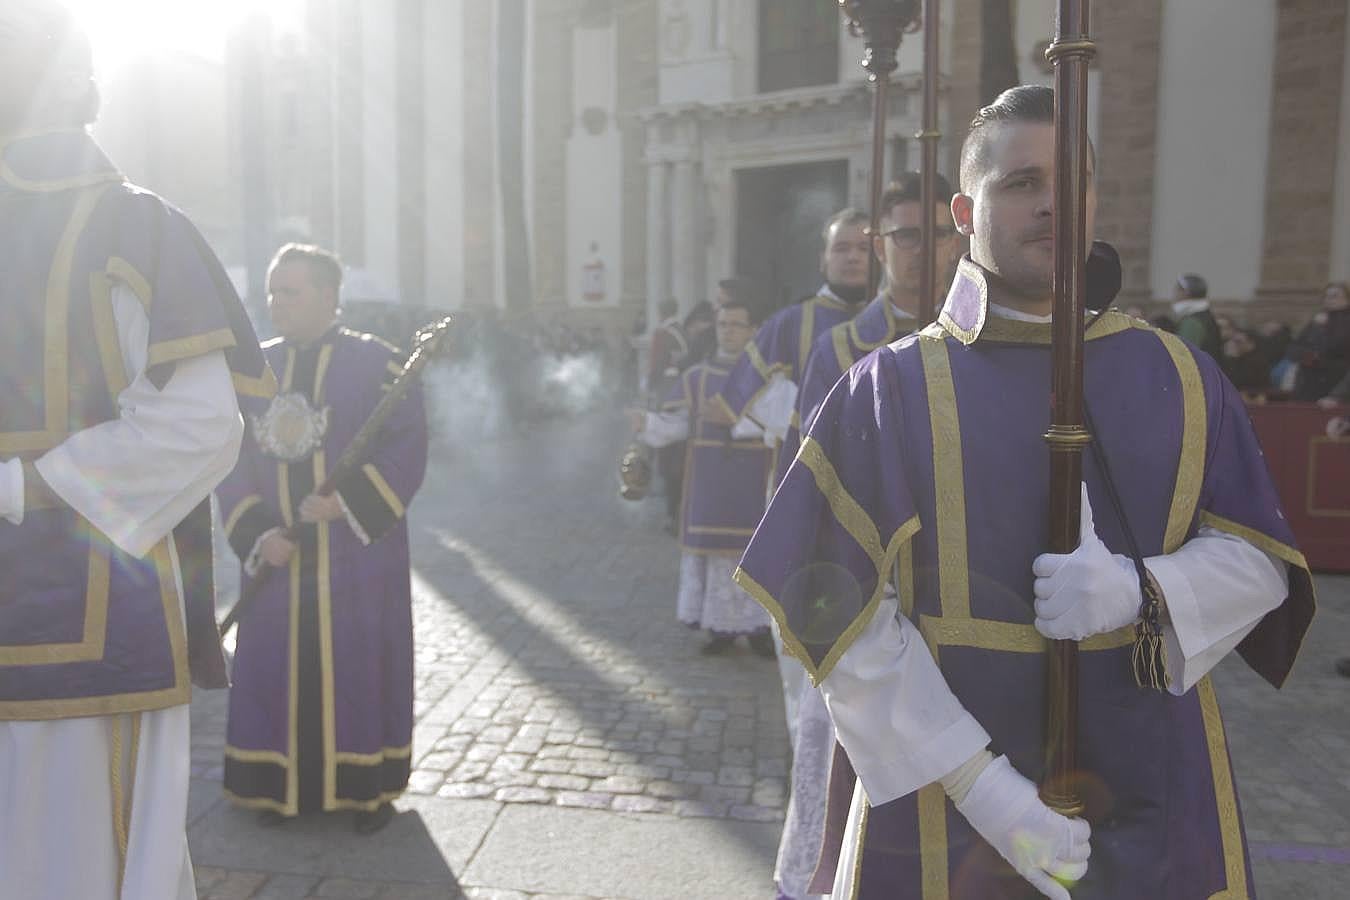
1273	339
1195	322
1322	349
1338	395
1244	363
1226	329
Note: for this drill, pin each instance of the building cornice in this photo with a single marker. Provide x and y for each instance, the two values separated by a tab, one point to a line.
796	100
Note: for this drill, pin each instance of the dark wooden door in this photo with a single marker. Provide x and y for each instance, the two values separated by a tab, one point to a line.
780	212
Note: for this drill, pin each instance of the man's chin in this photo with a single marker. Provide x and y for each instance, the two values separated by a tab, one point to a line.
1030	280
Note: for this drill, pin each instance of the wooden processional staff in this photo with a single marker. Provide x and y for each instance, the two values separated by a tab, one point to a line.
1070	53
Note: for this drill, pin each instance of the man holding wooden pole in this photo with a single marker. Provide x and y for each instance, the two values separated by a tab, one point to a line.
321	710
929	459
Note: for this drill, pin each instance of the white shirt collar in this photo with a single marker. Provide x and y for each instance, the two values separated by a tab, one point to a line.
1007	312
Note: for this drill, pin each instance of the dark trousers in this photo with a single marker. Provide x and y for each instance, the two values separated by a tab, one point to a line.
670	463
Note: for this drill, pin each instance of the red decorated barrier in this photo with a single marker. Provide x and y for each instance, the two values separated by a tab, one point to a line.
1312	473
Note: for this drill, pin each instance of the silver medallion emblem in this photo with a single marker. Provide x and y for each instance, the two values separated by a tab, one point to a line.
291	430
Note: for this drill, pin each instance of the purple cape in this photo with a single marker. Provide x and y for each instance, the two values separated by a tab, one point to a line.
86	629
835	351
321	707
781	344
928	460
725	480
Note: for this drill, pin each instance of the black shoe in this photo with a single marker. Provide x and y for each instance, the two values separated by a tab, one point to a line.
270	818
762	644
371	822
717	645
1343	666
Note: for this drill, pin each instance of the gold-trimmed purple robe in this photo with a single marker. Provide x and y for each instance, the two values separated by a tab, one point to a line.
927	459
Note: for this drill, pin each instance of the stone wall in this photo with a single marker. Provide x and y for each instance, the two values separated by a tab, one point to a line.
1128	43
1304	128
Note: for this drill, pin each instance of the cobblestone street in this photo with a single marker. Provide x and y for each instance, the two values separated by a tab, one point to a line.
572	742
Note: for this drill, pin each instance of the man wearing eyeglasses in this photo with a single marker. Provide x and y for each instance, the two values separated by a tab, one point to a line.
894	312
899	246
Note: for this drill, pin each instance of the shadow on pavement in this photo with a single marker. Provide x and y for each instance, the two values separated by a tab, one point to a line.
406	851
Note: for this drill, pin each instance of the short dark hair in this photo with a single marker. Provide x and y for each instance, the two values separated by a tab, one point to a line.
324	265
1025	103
908	188
847	216
702	310
1193	286
738	287
740	303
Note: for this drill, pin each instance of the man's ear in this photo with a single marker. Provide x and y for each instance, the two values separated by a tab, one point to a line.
963	213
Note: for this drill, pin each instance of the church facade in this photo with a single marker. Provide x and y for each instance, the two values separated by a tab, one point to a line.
591	157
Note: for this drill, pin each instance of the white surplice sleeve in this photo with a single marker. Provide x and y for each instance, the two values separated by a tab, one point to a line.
137	476
665	428
11	491
772	411
901	724
1216	587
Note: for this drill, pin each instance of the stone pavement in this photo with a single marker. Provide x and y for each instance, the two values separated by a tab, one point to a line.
572	742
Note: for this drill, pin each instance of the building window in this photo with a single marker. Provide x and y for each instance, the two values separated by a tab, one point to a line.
798	44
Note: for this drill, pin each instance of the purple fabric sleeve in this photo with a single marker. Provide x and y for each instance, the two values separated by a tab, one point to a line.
818	376
823	551
1238	496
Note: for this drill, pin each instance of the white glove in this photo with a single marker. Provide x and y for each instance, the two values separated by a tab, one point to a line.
1044	847
1086	592
11	491
774	407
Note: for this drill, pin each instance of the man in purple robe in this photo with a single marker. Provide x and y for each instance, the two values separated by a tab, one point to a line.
927	460
893	313
760	393
762	385
895	310
124	356
321	707
725	480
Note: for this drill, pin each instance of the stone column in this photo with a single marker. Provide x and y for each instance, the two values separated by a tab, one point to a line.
684	279
1340	235
1305	121
1130	47
658	237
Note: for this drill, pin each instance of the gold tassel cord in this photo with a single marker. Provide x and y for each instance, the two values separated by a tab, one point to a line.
1150	650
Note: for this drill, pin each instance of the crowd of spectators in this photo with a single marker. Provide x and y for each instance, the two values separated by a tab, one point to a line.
1310	366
